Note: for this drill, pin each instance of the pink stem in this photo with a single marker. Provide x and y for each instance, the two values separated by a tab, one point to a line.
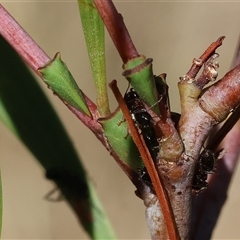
24	45
29	51
192	73
117	29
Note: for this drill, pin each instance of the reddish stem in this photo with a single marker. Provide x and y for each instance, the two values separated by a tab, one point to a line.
30	52
117	29
23	44
224	130
223	96
203	58
207	206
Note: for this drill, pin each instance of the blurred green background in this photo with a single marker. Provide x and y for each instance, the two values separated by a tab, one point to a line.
172	33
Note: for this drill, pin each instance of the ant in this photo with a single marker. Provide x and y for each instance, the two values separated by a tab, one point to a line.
206	165
144	122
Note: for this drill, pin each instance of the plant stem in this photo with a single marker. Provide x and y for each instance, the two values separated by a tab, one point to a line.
23	44
224	130
223	96
204	57
117	29
207	206
93	30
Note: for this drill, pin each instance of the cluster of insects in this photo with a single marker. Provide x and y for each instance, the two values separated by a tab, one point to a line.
144	123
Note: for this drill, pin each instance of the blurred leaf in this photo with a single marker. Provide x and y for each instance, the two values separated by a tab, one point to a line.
25	110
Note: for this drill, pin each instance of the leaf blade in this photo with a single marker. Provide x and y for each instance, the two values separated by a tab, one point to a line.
93	30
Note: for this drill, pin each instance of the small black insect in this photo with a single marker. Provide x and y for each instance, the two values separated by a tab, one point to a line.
144	122
199	179
207	164
208	161
144	176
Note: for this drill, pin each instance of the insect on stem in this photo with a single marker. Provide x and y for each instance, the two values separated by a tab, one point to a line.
148	162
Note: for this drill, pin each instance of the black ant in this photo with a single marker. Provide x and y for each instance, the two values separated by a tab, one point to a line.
206	165
144	122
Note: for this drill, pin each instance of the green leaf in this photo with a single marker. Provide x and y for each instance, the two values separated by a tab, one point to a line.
61	81
93	29
102	228
26	111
